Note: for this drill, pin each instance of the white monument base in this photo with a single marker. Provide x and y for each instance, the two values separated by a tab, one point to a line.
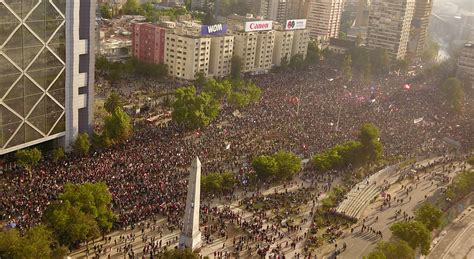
194	242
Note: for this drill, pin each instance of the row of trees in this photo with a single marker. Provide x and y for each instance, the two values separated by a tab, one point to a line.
409	236
217	183
279	166
194	110
115	71
81	213
462	185
367	149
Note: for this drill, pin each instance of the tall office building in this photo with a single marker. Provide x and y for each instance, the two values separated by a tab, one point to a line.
324	18
297	9
419	27
389	26
466	62
46	71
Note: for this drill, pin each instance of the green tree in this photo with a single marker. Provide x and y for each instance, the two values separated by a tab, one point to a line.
38	242
239	100
265	166
28	158
297	61
470	161
118	126
58	154
313	55
82	145
194	111
429	215
414	233
113	101
132	7
180	254
380	60
454	91
106	11
218	90
201	79
396	249
236	67
288	164
211	183
347	67
462	185
371	147
402	65
228	181
70	224
253	91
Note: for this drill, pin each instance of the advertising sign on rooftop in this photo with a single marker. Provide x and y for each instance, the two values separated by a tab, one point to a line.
258	26
216	29
296	24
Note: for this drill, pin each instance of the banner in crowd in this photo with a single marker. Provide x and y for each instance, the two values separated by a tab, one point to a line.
258	26
215	29
296	24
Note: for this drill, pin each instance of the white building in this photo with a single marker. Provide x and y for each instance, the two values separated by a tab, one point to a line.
264	53
389	26
324	18
187	55
466	62
245	47
283	47
300	42
46	73
222	49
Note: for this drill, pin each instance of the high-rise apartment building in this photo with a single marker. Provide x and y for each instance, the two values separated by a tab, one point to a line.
264	53
419	27
222	49
300	42
187	55
324	18
148	43
297	9
283	47
389	26
46	71
245	47
466	62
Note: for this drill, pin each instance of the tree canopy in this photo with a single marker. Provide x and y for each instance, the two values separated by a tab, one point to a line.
217	182
414	233
193	110
429	215
118	126
454	90
84	211
82	144
113	101
180	254
395	249
28	158
288	164
236	67
38	242
265	166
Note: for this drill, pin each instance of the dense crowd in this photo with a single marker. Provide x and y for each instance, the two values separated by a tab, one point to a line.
300	111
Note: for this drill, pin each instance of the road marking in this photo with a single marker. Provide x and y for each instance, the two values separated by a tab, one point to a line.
456	240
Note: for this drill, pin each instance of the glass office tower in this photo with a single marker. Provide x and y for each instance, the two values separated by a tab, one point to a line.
46	72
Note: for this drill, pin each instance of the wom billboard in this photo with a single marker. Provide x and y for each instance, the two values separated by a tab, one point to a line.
295	24
216	29
258	26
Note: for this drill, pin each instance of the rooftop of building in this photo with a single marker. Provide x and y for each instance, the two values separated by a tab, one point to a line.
342	43
247	18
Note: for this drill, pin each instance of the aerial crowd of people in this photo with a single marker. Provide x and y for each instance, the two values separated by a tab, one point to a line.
300	111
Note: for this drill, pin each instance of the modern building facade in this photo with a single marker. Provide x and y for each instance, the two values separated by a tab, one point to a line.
264	53
419	27
148	43
389	26
283	47
297	9
300	42
245	47
324	18
46	71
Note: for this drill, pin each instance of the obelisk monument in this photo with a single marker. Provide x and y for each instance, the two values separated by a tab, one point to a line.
190	235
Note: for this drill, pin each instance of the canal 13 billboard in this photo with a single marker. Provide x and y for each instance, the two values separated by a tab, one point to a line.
216	29
297	24
258	26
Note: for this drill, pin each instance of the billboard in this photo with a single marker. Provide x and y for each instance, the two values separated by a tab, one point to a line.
258	26
215	29
295	24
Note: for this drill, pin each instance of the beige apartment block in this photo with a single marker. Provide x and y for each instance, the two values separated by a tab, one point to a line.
389	26
187	55
264	51
245	47
222	49
419	27
283	47
300	42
